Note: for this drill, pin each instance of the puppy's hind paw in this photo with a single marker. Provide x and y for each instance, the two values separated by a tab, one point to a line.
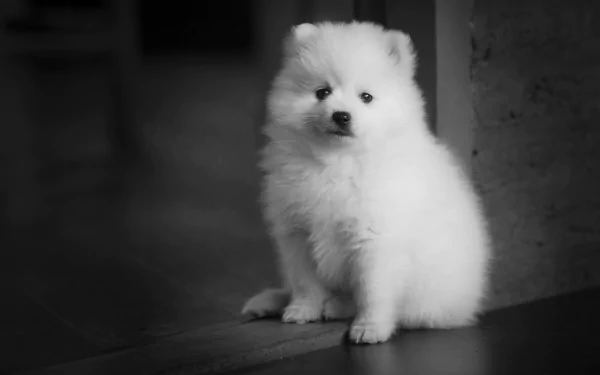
268	303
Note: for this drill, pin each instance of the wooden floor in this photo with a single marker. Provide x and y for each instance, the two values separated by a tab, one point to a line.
552	336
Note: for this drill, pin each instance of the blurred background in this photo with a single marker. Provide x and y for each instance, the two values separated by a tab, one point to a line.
129	187
128	153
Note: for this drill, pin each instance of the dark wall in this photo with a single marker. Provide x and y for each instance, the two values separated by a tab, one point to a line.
197	26
185	25
536	74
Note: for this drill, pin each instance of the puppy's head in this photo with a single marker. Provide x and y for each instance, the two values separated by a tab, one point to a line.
345	83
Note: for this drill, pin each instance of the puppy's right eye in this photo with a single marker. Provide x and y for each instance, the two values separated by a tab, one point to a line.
323	93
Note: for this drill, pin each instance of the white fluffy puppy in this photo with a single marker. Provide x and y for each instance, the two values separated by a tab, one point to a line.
371	216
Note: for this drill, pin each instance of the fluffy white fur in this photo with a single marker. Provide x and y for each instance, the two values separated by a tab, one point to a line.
382	225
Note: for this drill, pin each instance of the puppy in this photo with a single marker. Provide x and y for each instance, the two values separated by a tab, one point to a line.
372	217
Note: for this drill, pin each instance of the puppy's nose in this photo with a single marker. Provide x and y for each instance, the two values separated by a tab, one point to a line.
342	119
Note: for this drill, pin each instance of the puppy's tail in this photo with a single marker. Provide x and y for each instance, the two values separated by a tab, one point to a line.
268	303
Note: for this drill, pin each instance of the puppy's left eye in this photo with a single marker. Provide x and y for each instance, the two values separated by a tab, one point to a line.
366	97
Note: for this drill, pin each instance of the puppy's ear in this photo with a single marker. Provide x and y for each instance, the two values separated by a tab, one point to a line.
402	51
298	36
304	31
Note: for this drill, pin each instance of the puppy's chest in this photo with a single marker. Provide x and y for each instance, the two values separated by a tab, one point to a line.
328	205
325	198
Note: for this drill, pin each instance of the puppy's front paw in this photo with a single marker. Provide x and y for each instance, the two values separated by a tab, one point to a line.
364	331
302	311
337	308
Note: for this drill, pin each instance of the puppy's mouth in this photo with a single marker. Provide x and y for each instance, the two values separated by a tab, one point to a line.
339	132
